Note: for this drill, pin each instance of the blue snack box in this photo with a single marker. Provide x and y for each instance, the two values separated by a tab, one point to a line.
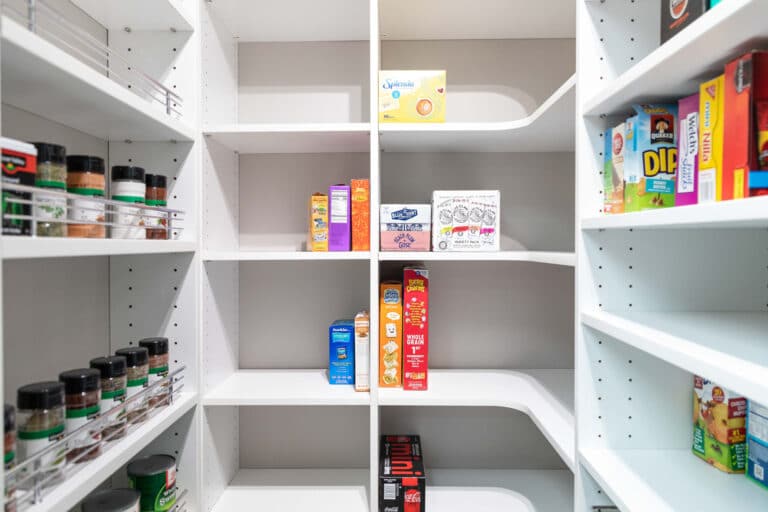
341	356
757	443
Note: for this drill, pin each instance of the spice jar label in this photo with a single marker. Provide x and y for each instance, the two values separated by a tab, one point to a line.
50	207
34	442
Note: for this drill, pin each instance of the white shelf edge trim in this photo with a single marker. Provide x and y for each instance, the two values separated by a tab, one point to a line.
567	259
257	128
23	247
285	255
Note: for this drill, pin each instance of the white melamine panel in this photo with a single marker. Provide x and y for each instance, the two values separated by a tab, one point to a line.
479	87
287	307
292	138
318	82
221	325
537	200
26	247
219	69
567	259
142	15
291	250
221	196
221	451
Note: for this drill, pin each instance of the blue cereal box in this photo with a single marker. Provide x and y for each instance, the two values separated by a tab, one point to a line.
757	443
341	356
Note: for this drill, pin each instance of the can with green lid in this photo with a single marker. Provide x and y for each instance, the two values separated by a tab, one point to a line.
155	478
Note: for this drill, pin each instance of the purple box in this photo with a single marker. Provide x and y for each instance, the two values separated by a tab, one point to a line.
687	186
339	218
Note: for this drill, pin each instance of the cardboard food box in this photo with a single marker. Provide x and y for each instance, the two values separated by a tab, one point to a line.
633	166
405	227
390	334
678	14
711	126
466	220
613	173
339	218
412	96
687	189
758	183
757	443
415	328
719	426
318	223
361	215
746	87
341	356
402	479
362	351
19	161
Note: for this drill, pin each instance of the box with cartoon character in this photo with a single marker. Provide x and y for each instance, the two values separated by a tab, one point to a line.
719	426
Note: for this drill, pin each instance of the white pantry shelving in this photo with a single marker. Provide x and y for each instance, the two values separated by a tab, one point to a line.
117	15
17	248
567	259
293	138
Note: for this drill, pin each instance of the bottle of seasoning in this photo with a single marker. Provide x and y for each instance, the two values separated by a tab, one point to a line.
85	177
115	500
82	389
158	369
137	360
9	431
128	186
156	196
155	478
113	392
40	422
51	175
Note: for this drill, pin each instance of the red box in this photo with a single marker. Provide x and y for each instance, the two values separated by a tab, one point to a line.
746	83
402	480
415	328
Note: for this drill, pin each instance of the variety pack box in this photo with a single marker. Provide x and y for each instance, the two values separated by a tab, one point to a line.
719	426
711	127
757	443
412	96
466	220
390	334
361	215
341	341
339	215
19	161
678	14
402	479
362	351
613	175
318	223
415	328
687	189
405	227
746	87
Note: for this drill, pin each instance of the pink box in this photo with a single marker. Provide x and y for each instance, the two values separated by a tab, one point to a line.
687	186
405	227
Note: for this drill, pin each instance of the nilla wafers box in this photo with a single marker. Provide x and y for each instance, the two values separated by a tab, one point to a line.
412	96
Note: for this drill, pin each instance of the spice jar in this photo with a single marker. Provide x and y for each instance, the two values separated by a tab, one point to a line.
128	186
156	196
85	177
155	478
82	388
116	500
40	423
52	175
137	360
9	431
158	369
113	391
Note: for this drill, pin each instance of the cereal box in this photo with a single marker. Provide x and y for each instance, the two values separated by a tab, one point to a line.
613	177
339	215
466	220
402	479
687	190
678	14
390	334
415	328
719	426
758	183
341	337
405	227
361	215
757	443
318	223
362	351
711	106
412	96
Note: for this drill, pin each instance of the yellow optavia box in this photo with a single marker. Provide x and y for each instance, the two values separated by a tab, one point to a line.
412	96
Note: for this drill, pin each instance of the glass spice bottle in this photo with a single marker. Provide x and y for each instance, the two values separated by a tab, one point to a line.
158	369
137	360
156	196
113	391
82	388
85	177
128	186
40	424
52	175
9	431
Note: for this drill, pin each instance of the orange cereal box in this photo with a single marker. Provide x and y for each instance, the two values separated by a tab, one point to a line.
318	223
361	215
415	328
390	334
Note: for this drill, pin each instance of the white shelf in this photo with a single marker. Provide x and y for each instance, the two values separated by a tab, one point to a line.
477	19
285	256
138	14
82	483
729	348
544	395
548	129
697	53
741	213
283	387
293	138
670	481
567	259
82	98
23	247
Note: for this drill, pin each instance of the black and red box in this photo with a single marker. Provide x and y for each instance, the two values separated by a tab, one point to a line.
402	481
678	14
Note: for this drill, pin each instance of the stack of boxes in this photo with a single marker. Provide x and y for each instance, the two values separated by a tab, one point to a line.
340	220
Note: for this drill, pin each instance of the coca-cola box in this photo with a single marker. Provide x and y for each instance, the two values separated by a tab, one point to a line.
402	481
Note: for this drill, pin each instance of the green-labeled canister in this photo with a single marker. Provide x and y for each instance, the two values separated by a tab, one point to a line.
155	478
116	500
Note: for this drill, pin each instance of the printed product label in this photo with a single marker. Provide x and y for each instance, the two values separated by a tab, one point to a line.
158	492
689	150
126	216
134	388
50	208
79	417
339	206
30	443
85	210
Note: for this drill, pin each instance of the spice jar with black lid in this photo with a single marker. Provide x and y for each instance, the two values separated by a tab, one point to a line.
82	388
156	196
52	175
137	359
113	391
85	177
128	187
40	423
158	369
9	431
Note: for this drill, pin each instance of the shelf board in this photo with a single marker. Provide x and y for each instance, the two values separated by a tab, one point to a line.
676	68
567	259
285	256
92	474
23	247
728	348
548	129
741	213
293	138
119	14
283	387
294	20
669	481
544	395
83	98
